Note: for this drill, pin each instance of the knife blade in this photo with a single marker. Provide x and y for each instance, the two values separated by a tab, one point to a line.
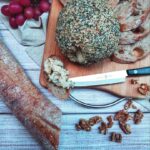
108	78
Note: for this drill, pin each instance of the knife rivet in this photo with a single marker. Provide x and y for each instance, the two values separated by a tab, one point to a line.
135	71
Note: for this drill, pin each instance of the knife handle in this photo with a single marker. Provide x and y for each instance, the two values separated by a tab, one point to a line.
139	71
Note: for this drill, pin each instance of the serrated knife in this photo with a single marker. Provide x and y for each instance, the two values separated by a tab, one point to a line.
108	78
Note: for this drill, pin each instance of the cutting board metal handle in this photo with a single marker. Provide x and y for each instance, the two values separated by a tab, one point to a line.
139	71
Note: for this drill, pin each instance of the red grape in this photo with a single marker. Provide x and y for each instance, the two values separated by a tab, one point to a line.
37	13
12	22
29	12
25	3
15	8
20	10
44	6
5	10
20	19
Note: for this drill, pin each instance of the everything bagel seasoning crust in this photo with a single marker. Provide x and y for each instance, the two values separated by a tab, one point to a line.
87	31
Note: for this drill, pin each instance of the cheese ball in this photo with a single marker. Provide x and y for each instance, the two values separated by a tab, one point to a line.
87	31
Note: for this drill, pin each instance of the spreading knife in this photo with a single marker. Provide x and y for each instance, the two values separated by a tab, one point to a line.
109	77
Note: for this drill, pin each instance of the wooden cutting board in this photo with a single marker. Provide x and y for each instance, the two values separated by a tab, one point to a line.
121	89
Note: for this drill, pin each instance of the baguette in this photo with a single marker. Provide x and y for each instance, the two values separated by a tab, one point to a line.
37	114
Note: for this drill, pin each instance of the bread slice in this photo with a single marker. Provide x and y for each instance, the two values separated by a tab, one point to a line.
131	14
132	53
56	77
59	92
134	44
137	34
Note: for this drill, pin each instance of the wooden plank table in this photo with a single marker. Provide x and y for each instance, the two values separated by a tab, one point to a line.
13	136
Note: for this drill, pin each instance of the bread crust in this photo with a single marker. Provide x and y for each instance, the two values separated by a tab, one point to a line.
37	114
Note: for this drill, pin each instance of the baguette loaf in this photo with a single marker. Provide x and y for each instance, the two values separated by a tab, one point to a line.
38	114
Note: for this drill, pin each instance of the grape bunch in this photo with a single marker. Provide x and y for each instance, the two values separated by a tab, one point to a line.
18	11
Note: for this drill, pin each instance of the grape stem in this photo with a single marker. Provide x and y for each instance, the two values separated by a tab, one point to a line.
35	2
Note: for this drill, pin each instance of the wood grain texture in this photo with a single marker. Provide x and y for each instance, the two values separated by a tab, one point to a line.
122	89
70	139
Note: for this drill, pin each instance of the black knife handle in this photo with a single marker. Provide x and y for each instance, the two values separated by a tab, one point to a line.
139	71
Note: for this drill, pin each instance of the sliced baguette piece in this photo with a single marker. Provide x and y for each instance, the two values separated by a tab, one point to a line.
137	34
132	53
53	66
133	22
59	92
131	37
131	14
